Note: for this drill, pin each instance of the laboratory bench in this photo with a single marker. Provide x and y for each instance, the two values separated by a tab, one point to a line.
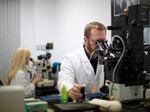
126	107
54	104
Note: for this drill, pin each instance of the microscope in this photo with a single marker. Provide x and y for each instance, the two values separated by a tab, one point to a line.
125	75
43	68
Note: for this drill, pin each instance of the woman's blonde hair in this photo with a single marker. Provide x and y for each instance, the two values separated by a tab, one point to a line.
18	62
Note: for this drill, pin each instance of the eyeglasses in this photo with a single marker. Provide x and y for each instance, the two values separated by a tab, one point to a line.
95	41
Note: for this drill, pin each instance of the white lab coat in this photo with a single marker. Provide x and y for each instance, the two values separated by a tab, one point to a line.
76	68
22	78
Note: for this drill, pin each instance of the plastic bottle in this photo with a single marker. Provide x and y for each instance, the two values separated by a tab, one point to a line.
64	95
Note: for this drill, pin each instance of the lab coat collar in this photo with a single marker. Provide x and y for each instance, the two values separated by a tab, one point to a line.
84	56
87	61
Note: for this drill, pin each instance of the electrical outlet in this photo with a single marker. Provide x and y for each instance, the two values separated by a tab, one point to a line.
40	47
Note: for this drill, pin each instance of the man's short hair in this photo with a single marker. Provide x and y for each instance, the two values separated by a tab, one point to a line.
90	26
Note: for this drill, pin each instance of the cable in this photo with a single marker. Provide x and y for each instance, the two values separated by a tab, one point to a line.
118	62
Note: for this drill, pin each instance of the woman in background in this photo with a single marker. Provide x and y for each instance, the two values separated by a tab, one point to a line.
18	73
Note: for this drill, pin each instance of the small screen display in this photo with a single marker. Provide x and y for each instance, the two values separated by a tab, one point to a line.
120	5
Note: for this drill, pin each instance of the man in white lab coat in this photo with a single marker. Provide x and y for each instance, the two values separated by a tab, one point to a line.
78	69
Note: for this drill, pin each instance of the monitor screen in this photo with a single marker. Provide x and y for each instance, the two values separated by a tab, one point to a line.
119	6
147	36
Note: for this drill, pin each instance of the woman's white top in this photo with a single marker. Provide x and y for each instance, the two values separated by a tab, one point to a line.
22	78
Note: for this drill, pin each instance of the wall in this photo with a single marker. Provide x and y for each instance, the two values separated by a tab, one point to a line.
37	24
61	22
28	23
9	32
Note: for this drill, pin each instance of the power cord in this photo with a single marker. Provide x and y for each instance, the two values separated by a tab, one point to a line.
118	62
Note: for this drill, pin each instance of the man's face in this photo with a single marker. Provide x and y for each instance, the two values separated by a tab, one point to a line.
96	35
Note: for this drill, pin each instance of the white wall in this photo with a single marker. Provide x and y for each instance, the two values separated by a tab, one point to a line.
61	22
27	24
9	33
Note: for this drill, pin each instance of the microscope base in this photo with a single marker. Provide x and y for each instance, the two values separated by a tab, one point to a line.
122	92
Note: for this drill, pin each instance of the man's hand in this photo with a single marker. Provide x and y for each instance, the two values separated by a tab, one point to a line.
75	92
111	98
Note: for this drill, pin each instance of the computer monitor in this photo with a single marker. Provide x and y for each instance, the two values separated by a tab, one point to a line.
118	6
11	99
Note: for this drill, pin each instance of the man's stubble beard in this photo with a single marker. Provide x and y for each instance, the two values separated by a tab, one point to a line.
93	53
